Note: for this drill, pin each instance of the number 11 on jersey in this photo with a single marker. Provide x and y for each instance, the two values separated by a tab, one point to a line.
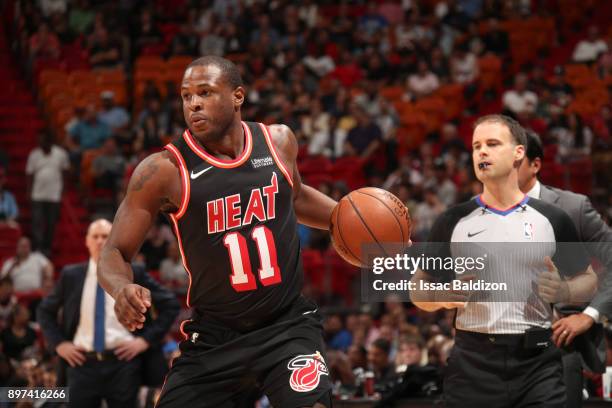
242	278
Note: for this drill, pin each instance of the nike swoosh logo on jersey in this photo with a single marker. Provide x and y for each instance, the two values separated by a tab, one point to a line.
470	235
199	173
310	311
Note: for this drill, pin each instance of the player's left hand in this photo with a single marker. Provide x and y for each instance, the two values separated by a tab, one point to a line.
127	350
551	288
565	330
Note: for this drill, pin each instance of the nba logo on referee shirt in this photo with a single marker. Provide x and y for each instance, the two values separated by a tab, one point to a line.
528	230
307	371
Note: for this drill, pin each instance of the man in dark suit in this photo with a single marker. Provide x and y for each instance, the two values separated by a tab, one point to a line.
105	360
579	326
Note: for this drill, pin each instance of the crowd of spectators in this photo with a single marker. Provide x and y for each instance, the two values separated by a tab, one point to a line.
317	67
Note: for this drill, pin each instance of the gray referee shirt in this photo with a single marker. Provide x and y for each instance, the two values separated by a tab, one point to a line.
534	228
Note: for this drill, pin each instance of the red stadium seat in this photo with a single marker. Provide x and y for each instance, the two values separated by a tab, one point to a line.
350	170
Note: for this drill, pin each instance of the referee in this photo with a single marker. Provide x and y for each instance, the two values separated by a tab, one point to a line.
503	354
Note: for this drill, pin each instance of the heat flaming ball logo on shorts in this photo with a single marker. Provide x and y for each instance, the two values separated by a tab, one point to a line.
307	371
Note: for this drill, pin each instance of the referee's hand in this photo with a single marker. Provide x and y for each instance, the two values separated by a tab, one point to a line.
551	288
454	298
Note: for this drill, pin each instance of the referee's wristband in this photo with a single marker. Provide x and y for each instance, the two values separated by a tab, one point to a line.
592	312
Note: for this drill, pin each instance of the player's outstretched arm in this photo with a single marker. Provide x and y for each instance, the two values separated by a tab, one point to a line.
154	186
312	207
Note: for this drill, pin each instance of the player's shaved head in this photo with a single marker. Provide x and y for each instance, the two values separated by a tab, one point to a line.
230	71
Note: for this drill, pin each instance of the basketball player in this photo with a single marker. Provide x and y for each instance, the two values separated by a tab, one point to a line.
233	193
503	354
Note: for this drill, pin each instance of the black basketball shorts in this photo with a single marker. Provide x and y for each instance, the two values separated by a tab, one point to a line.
223	368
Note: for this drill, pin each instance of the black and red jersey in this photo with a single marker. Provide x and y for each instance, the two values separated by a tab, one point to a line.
237	231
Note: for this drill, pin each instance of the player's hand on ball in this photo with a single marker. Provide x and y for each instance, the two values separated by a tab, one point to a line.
131	304
551	288
454	298
565	330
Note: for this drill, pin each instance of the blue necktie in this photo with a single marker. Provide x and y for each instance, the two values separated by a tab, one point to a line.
99	320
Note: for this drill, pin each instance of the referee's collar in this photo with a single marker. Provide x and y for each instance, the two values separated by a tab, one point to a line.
507	211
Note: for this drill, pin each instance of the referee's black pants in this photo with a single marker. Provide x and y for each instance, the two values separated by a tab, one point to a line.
113	380
498	371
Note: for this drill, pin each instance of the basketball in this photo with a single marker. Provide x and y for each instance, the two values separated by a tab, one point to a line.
368	216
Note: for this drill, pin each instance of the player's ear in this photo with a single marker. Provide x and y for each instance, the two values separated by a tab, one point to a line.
238	97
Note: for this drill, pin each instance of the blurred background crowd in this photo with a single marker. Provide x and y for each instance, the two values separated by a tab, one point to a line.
381	93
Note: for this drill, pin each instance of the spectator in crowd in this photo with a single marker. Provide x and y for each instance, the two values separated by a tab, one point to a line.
156	244
410	352
80	16
441	182
520	99
151	125
604	62
45	171
8	300
329	143
104	51
108	167
405	173
573	137
347	71
319	63
112	115
145	32
372	21
59	24
496	40
369	330
53	7
423	82
315	128
89	133
9	211
44	43
464	66
426	213
602	126
78	115
18	335
589	49
560	90
365	138
28	270
336	336
379	362
213	42
92	344
453	146
358	356
172	273
440	65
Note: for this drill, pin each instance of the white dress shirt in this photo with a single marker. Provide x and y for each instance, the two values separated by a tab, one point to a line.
535	190
114	332
535	193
